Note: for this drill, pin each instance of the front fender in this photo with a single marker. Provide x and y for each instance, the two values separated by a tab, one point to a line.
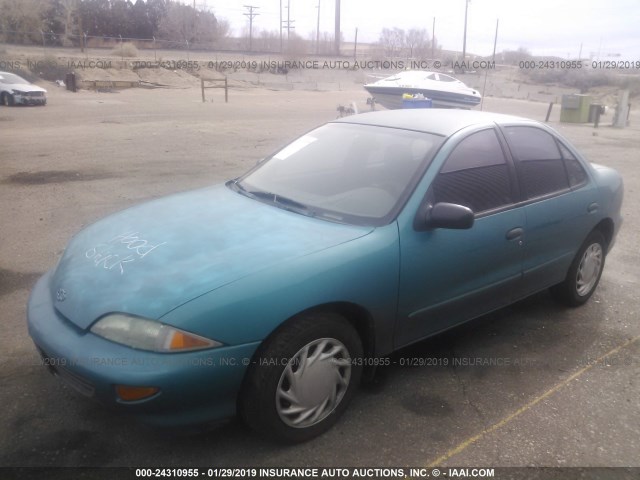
363	272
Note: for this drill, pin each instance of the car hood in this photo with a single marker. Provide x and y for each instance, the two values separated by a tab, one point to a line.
24	87
152	258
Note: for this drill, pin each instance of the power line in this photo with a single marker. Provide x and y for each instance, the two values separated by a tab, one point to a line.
250	14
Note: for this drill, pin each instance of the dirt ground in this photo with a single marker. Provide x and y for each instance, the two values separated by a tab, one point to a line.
87	154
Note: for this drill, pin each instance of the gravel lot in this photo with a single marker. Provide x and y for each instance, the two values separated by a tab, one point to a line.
569	396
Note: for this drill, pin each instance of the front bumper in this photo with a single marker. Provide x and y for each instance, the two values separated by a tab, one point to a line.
194	386
29	99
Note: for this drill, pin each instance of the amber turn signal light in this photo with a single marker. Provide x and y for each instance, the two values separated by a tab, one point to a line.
131	394
183	341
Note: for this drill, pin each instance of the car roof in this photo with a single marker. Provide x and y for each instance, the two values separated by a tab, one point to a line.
439	121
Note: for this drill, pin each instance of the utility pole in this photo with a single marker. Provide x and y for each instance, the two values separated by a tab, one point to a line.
195	21
495	40
486	72
464	39
280	26
83	36
337	32
433	39
288	21
355	47
318	31
250	14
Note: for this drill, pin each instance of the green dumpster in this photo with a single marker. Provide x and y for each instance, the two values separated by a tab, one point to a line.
575	108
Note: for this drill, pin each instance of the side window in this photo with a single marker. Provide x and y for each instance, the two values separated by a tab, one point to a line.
475	175
539	163
445	78
576	172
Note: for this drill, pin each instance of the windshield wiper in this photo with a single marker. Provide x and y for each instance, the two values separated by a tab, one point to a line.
279	199
283	202
286	201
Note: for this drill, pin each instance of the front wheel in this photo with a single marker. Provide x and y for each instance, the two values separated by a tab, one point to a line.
303	378
7	99
584	273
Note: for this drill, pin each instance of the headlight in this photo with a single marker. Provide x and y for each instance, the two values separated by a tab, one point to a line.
150	335
19	92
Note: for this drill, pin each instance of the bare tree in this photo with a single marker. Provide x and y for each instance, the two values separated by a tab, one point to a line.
327	43
512	57
392	40
269	41
417	41
223	29
296	46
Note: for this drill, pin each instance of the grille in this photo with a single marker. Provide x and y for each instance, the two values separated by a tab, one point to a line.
75	381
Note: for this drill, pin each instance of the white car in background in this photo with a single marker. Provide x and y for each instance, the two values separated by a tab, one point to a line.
15	90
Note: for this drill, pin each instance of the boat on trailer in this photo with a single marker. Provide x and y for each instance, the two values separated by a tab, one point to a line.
444	91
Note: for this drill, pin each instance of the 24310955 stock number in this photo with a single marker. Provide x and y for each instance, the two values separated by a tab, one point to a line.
550	64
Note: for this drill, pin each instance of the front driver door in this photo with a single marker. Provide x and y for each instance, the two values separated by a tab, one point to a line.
448	276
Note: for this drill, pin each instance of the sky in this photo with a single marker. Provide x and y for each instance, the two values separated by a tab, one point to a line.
597	28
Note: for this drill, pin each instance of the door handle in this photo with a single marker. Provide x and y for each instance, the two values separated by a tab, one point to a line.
593	207
515	233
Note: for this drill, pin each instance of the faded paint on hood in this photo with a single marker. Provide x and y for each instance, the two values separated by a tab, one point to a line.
152	258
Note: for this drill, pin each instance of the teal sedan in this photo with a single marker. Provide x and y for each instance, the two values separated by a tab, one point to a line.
271	295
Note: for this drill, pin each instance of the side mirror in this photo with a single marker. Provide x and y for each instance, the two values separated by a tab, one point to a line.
449	215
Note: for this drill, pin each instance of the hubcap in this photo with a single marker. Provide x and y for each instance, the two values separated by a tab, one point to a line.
313	383
589	269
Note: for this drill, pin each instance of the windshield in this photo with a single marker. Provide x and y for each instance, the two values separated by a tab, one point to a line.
10	78
348	173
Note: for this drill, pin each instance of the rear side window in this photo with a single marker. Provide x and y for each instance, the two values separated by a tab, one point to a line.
475	175
576	172
539	163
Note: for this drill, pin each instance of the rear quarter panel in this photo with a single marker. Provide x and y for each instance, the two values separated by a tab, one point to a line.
611	187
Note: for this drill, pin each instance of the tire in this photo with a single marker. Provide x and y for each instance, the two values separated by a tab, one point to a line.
7	100
292	393
584	273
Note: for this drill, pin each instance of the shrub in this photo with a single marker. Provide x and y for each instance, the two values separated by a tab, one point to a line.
125	50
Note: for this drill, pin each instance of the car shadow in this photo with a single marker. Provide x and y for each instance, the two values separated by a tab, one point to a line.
427	396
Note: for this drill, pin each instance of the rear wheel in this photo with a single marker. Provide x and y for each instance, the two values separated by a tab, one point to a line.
303	378
584	273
